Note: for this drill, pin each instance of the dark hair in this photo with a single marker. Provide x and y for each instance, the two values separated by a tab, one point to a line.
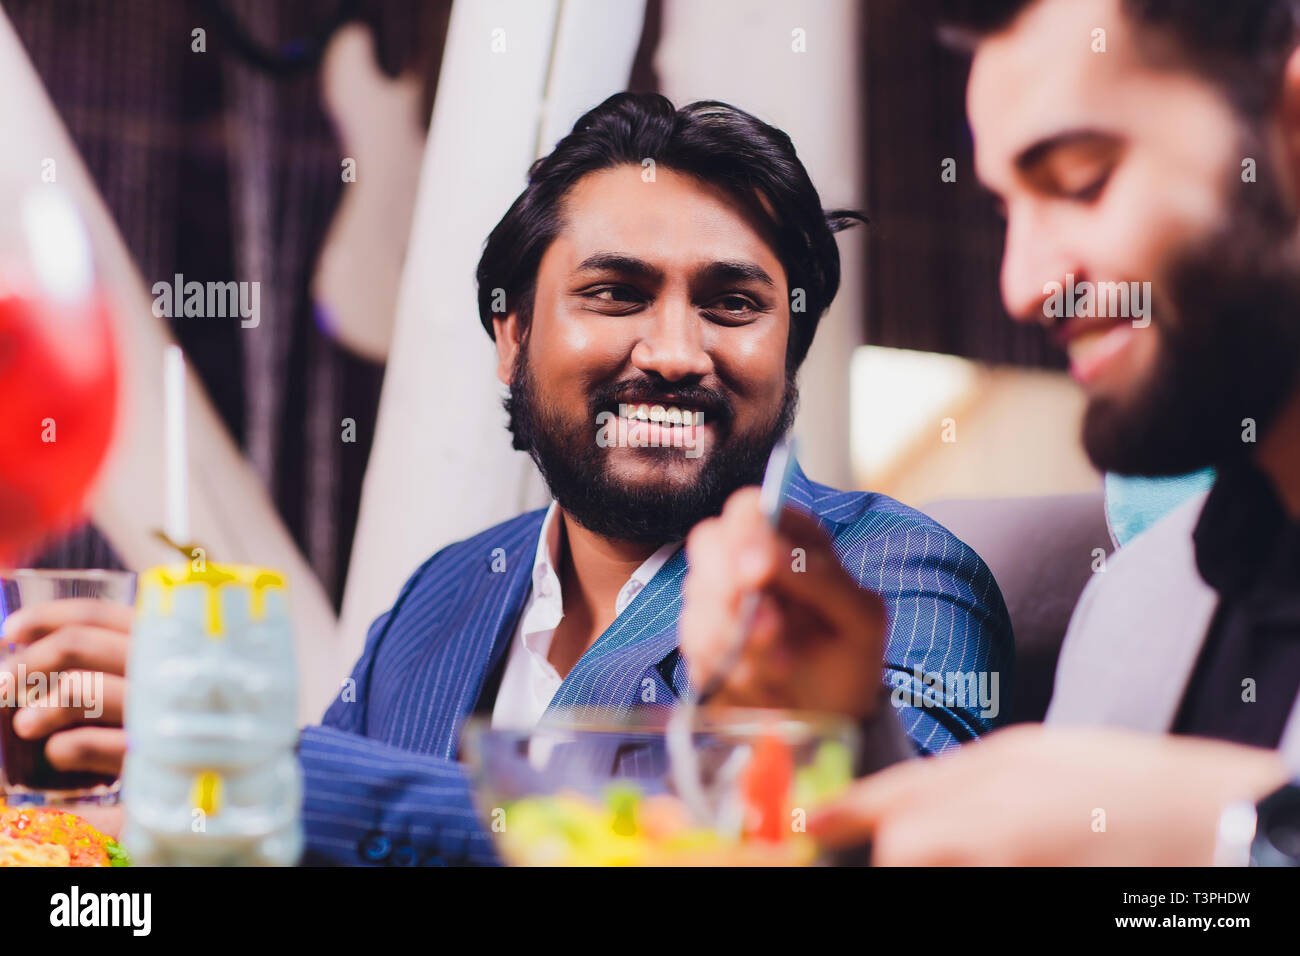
715	142
1240	45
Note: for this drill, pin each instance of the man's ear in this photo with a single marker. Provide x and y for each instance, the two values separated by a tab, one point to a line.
508	343
1290	119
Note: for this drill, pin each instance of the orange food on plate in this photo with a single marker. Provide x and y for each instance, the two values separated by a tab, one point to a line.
46	836
17	852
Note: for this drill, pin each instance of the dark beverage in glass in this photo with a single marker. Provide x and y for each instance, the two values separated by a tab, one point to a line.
25	765
26	774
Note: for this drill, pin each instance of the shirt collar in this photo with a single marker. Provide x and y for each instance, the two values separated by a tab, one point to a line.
644	575
546	562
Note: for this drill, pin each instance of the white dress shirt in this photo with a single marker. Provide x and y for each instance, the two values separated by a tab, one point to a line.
530	681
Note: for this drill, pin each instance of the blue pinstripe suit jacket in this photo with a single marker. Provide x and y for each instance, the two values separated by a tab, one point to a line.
382	782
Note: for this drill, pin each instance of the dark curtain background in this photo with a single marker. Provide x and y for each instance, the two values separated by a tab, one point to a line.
221	165
934	248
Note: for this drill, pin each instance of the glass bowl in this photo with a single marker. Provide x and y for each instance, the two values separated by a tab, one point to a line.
586	788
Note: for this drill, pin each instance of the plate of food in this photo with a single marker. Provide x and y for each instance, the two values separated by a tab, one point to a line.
585	789
49	836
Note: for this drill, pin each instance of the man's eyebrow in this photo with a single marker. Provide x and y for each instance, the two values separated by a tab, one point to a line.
1032	155
617	262
735	270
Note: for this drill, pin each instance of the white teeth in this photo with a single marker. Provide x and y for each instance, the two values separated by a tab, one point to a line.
664	415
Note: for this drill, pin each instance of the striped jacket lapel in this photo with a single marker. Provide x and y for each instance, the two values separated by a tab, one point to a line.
612	673
471	642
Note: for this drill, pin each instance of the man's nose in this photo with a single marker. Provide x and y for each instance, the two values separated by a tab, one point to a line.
1032	259
672	344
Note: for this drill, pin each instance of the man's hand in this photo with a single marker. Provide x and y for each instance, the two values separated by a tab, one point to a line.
1044	796
83	642
817	638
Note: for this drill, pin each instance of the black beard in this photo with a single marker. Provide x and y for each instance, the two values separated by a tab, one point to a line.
576	467
1229	348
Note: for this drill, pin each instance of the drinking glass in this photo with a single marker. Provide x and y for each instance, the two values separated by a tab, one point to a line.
26	775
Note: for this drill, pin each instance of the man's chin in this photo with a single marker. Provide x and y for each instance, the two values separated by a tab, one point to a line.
648	470
650	496
1136	439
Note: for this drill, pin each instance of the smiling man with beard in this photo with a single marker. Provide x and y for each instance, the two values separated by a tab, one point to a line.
1174	158
665	270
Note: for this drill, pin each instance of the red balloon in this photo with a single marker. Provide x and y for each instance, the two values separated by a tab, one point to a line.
58	397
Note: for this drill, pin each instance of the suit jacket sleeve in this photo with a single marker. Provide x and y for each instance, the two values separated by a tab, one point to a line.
367	802
949	650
